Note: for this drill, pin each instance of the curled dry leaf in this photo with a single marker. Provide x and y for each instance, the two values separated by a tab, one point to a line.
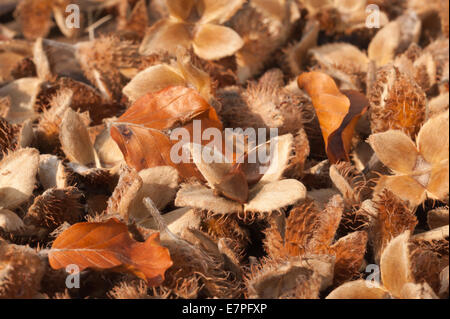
108	245
145	122
18	177
423	168
338	112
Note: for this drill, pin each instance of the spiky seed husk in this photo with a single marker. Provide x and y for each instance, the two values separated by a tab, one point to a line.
397	102
125	192
437	217
393	217
428	260
290	277
21	271
54	207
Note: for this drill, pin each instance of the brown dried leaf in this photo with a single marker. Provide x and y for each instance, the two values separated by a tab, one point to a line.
108	245
338	112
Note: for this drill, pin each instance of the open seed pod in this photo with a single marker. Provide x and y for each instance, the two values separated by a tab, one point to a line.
15	136
196	24
423	169
344	62
134	25
396	276
35	16
428	259
227	227
13	54
296	54
75	140
22	95
343	17
290	278
10	222
437	217
350	183
21	271
236	183
267	104
52	173
198	264
54	207
308	231
104	62
264	27
389	217
108	152
176	221
395	38
157	183
159	76
55	59
397	102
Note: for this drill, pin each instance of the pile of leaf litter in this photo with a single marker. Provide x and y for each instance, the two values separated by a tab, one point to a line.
354	203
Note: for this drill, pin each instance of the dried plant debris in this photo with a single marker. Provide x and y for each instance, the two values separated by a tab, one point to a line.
224	149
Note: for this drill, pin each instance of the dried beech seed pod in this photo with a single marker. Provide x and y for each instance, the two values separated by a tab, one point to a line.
54	207
397	102
290	278
21	271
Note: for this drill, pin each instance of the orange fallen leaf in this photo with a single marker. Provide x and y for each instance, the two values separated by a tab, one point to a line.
142	131
107	245
338	112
